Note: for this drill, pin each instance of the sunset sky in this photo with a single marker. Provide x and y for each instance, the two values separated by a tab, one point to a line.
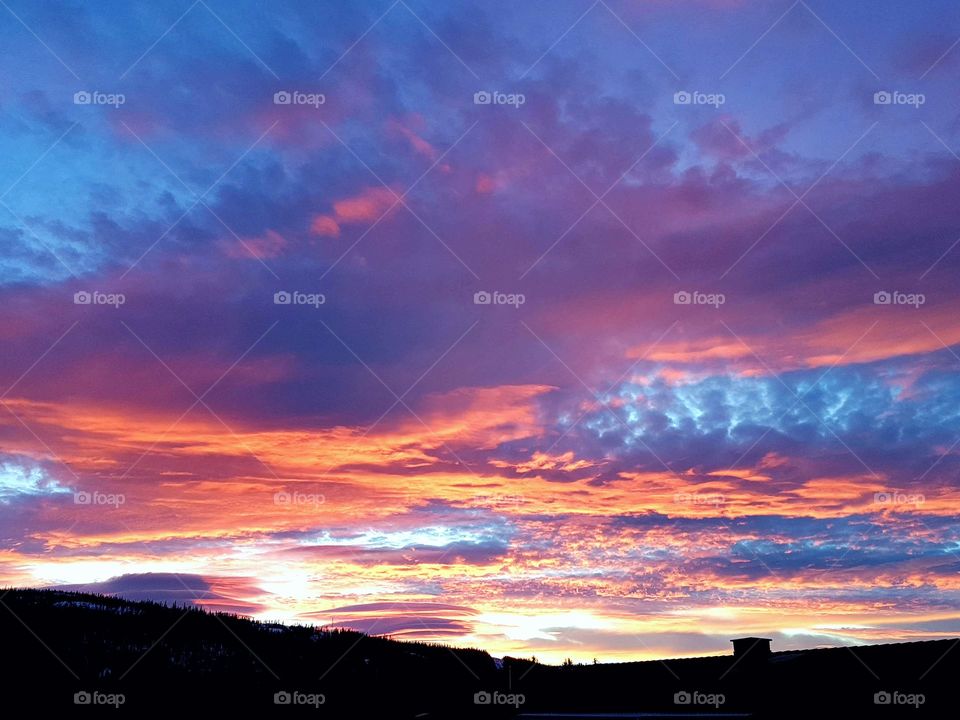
715	392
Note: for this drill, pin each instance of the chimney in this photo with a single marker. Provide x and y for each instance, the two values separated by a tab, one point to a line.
751	649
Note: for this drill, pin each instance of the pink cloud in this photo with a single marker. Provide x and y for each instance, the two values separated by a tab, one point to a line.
270	244
365	207
325	225
368	206
410	134
488	184
724	139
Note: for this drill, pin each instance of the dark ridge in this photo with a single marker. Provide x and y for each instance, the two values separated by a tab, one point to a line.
86	652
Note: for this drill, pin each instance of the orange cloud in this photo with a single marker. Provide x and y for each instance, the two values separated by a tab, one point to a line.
214	488
863	335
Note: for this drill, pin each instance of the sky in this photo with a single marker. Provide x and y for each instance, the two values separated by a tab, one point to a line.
563	328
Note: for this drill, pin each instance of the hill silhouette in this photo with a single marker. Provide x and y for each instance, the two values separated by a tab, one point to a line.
63	643
70	650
